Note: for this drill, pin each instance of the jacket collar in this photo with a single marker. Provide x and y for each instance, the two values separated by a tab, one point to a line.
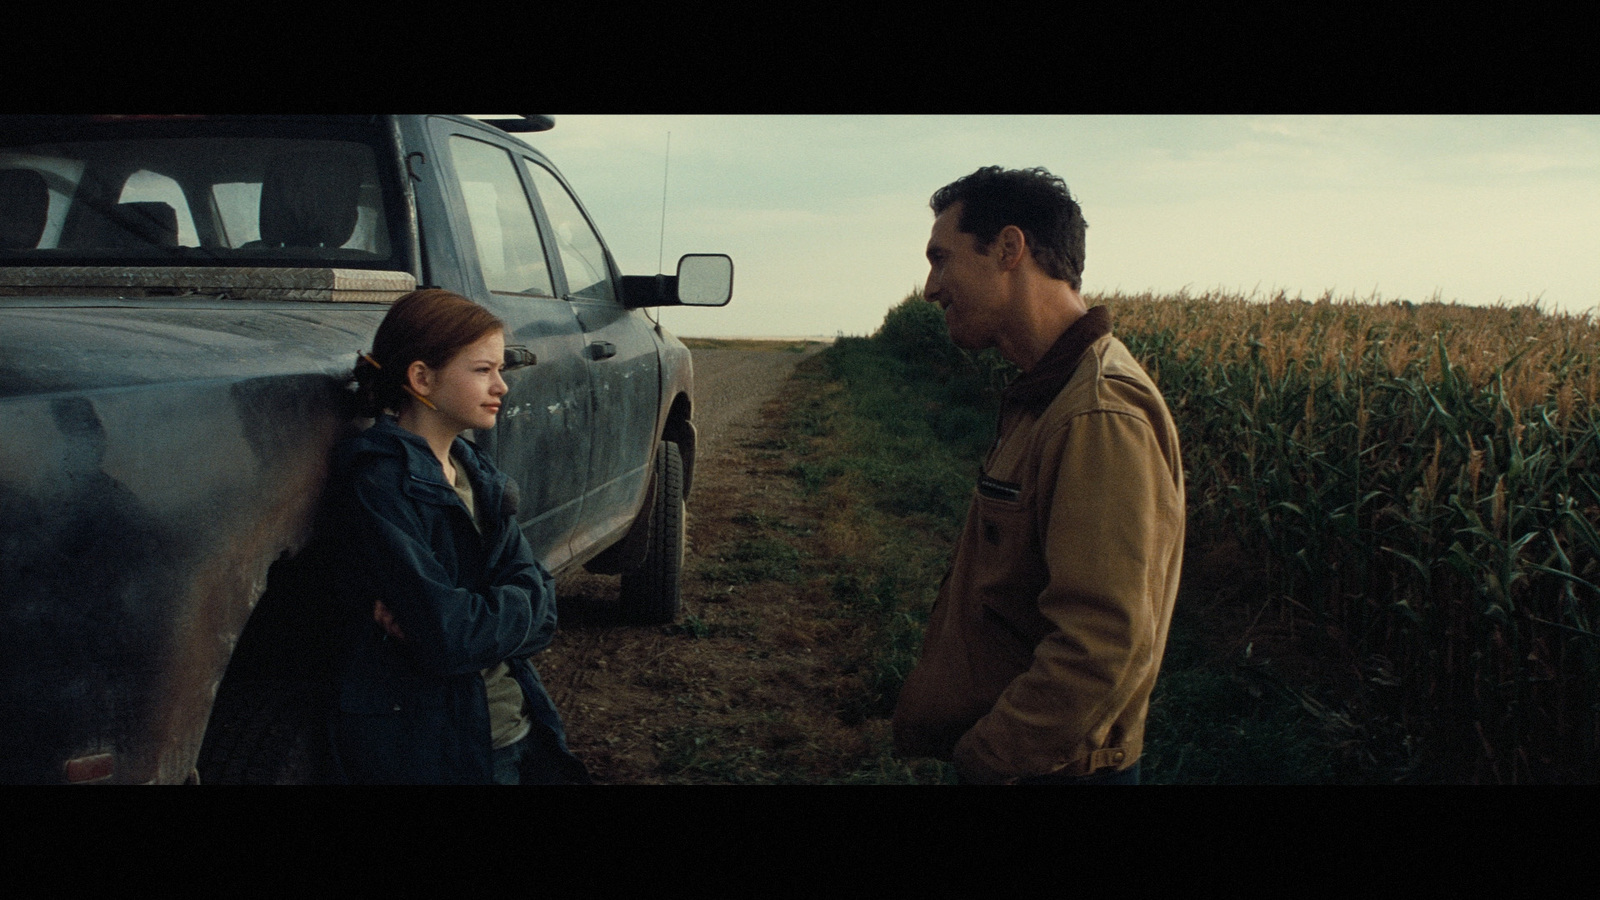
388	438
1040	384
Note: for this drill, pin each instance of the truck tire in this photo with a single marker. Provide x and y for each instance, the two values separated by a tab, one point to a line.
268	731
652	594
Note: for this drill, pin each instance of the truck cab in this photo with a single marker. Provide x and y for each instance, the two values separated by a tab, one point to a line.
181	303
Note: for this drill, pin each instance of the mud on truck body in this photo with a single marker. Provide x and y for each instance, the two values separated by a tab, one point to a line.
181	302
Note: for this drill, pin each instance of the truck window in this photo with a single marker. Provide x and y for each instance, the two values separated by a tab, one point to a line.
582	255
510	250
239	206
145	194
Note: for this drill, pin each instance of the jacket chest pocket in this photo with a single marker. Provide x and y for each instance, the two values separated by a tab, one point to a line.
1009	567
1003	521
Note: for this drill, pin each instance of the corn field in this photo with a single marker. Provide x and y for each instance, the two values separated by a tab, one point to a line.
1420	481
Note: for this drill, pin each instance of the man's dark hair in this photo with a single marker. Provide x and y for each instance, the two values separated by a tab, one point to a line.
1031	199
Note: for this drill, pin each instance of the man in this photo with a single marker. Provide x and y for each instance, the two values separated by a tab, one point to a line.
1045	640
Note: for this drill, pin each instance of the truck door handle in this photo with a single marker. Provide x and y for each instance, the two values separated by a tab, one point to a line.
519	357
603	349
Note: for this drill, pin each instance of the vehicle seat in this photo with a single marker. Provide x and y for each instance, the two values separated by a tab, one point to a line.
309	199
143	225
147	223
24	207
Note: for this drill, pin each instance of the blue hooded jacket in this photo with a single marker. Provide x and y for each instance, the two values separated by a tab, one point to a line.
414	711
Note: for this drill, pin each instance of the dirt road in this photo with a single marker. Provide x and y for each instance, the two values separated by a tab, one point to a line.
760	665
732	385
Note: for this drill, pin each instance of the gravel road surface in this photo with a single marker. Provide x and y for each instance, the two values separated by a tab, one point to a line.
730	387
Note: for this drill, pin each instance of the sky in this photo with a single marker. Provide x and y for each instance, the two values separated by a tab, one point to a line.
826	217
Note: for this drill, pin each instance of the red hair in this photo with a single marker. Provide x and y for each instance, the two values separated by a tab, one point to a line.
430	325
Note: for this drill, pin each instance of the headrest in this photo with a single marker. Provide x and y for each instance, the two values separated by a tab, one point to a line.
152	221
24	207
309	199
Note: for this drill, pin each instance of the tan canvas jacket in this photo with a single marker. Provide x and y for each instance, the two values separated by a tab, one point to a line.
1045	640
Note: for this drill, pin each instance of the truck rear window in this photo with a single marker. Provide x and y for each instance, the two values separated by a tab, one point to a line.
110	195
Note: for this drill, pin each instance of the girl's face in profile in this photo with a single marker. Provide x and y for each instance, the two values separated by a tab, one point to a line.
467	391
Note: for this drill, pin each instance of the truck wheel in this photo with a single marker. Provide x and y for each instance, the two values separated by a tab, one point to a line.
652	594
268	731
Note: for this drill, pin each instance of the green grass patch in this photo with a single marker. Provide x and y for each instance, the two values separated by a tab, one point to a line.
1214	727
895	427
756	559
705	752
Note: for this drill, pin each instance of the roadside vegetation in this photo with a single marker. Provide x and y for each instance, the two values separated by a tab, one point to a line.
1393	547
1420	484
1390	573
895	426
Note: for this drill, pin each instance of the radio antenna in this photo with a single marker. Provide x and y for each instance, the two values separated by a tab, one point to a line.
664	168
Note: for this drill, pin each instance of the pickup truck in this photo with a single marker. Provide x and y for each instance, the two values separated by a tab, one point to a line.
182	299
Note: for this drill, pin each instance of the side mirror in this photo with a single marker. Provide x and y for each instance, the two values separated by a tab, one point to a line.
703	279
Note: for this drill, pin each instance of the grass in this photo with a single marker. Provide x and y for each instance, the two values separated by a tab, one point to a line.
1394	525
897	425
754	560
787	345
1220	718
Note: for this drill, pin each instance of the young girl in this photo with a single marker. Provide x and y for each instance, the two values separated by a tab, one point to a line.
446	601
